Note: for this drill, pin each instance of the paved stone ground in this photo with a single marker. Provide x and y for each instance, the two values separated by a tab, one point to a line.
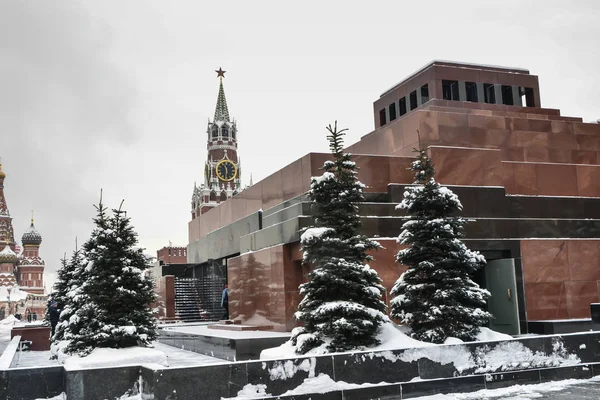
586	391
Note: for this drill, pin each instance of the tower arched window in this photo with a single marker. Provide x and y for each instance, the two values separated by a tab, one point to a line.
225	131
233	132
213	196
223	196
215	131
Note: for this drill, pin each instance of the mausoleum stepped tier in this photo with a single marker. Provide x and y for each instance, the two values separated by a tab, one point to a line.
521	134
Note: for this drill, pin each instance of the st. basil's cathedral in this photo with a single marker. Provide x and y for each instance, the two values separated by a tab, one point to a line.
21	268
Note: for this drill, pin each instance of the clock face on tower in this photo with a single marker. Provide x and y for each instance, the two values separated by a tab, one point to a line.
226	170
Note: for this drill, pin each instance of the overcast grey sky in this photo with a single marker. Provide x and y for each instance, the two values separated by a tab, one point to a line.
116	94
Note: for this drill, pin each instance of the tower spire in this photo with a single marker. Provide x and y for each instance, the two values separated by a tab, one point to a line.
221	111
6	229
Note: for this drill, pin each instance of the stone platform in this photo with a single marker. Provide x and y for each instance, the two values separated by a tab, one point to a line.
226	344
551	327
236	325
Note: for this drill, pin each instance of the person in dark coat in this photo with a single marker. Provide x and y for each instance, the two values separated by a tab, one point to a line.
54	315
225	301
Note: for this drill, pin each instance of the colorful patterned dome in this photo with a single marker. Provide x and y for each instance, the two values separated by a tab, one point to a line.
31	236
8	256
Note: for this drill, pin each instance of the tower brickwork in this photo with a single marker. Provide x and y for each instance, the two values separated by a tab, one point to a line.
222	170
31	265
22	267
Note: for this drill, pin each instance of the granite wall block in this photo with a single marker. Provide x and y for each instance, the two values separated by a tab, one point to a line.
445	386
101	383
33	383
280	376
374	367
205	382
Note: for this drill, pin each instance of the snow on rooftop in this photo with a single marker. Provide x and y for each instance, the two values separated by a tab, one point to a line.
457	64
16	293
7	251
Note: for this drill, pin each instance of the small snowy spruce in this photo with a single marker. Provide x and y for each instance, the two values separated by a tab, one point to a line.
62	281
114	303
436	297
342	303
69	283
46	319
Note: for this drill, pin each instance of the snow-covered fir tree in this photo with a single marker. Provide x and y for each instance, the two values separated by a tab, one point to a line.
342	303
69	282
436	296
61	283
114	303
46	319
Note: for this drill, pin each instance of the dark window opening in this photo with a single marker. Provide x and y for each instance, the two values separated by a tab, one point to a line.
489	93
507	95
215	131
223	196
392	110
424	94
413	100
402	106
225	131
233	132
450	90
382	117
528	94
471	88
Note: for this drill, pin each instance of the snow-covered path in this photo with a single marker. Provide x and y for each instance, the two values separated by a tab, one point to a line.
175	357
570	389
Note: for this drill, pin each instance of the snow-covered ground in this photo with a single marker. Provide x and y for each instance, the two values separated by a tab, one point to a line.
173	356
392	337
566	389
160	354
5	327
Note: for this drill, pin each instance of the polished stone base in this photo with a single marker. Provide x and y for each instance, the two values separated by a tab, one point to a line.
562	326
240	327
223	343
408	372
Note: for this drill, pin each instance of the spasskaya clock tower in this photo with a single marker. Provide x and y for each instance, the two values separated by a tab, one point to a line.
222	170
